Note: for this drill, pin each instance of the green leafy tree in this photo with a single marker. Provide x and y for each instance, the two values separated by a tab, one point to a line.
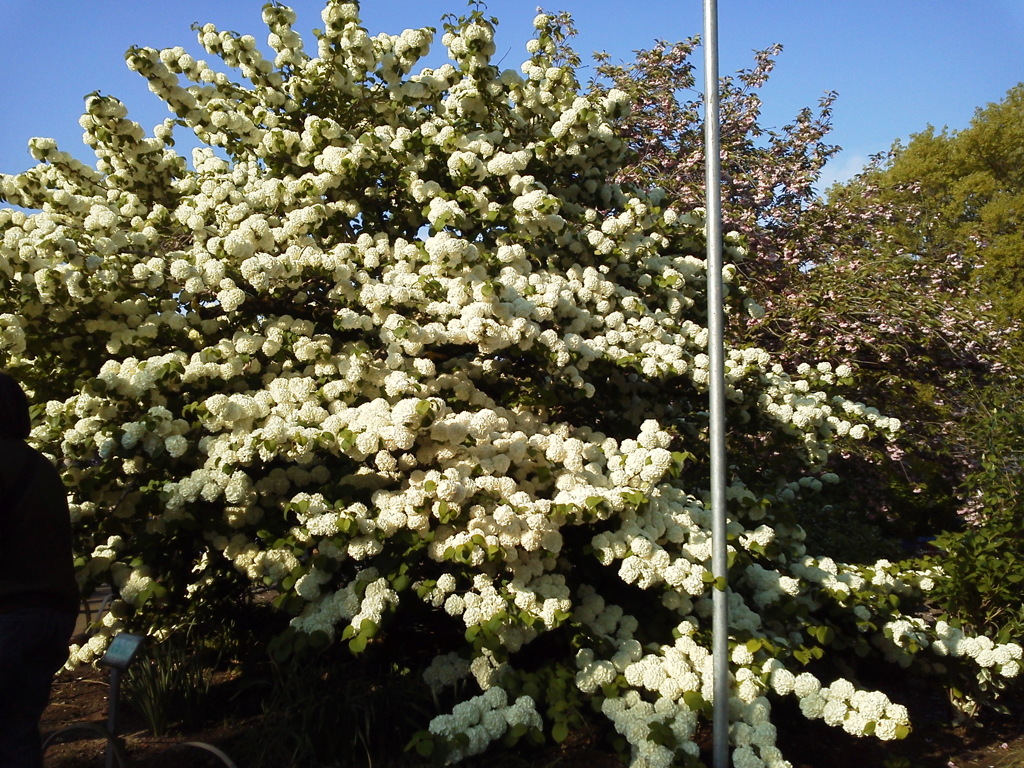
968	189
398	348
963	194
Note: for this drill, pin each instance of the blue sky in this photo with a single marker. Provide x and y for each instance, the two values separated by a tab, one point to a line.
898	65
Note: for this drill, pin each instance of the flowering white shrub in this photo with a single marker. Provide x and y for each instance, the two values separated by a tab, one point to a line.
394	340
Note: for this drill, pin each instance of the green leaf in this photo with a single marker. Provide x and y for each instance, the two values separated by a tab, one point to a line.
358	644
400	582
694	701
560	731
368	627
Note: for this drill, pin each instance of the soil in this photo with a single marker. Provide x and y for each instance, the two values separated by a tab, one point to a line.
81	697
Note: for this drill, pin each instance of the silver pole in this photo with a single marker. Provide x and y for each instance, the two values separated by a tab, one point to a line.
113	714
716	353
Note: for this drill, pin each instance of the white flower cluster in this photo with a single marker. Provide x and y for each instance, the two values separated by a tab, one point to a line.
1002	658
445	671
753	737
483	719
365	599
858	712
109	624
633	717
132	582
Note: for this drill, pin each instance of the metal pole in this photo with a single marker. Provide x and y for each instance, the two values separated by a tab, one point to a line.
113	713
716	354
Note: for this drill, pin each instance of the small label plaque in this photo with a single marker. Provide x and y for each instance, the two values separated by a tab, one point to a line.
122	650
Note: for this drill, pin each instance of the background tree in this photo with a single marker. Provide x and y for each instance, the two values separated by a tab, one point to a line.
963	194
838	278
968	190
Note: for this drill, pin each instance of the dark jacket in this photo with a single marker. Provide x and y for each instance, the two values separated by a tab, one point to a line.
36	561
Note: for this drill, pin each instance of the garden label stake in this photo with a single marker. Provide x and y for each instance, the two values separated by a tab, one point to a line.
716	391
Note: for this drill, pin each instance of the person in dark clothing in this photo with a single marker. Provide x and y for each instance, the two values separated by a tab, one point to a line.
39	597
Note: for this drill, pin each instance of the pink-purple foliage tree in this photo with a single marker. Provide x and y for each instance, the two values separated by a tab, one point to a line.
836	282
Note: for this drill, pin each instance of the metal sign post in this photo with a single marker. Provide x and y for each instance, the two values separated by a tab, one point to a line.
716	354
122	650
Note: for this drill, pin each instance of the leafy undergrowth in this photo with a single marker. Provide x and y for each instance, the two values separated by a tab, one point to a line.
234	723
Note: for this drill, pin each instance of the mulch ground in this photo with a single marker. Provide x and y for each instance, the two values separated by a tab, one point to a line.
82	697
